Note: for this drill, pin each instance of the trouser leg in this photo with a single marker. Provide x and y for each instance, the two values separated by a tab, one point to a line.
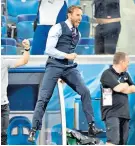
52	74
124	131
113	130
4	123
73	78
99	40
111	36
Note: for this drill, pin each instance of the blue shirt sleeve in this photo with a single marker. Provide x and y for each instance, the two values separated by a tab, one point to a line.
53	36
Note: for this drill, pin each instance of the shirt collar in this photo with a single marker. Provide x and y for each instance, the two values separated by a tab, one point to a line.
69	24
119	74
111	67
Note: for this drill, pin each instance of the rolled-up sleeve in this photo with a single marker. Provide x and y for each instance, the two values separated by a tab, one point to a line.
52	40
109	80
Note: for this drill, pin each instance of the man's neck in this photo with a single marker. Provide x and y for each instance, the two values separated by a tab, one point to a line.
69	22
117	69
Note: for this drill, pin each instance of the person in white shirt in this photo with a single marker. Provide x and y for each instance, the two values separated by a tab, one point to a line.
5	65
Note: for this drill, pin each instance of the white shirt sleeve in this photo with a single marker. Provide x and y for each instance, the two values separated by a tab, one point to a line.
52	40
10	63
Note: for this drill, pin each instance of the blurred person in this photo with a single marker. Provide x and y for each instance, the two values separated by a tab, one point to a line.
116	85
62	40
107	15
5	65
127	37
50	12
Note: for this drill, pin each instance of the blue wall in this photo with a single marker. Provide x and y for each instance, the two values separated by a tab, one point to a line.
91	74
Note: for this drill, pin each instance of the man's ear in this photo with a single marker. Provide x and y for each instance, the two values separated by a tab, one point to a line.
68	15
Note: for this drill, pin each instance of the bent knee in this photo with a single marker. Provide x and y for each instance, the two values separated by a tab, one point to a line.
85	92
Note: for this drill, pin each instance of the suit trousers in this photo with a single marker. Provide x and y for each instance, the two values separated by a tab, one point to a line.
70	75
106	38
4	123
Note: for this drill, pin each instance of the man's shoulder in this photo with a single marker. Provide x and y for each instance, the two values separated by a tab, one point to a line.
56	27
107	71
107	74
8	63
4	62
59	24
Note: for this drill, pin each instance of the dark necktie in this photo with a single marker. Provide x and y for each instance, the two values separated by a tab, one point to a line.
73	32
73	37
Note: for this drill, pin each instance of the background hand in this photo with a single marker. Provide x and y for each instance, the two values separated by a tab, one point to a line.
26	44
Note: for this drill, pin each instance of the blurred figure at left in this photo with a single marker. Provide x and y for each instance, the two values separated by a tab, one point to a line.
5	65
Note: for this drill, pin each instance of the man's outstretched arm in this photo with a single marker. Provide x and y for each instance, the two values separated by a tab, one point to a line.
25	57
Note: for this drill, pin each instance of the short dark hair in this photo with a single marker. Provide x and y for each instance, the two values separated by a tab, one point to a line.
119	56
71	9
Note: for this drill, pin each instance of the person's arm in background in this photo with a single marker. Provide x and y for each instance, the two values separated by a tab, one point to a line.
110	81
13	63
130	89
52	40
24	59
125	88
131	85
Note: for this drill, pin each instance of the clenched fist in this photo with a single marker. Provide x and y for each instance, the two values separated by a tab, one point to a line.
71	56
26	44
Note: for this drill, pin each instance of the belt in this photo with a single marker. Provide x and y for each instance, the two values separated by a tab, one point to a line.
63	61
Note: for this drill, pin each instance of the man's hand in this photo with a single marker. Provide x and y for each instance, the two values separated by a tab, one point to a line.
26	44
61	81
24	59
71	56
132	88
121	87
124	88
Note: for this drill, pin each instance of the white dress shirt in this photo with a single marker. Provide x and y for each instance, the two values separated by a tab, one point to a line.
52	40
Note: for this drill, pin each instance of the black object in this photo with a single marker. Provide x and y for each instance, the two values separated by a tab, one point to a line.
36	20
107	9
106	38
82	139
93	131
27	49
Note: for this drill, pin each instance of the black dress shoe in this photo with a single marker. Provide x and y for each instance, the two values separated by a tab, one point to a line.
92	131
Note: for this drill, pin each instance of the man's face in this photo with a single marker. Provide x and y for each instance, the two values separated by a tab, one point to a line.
75	17
124	64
